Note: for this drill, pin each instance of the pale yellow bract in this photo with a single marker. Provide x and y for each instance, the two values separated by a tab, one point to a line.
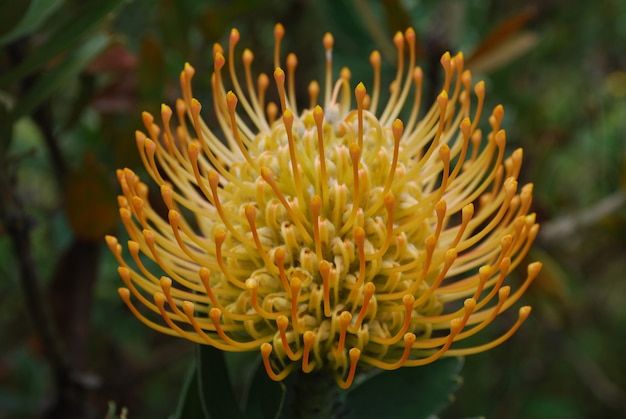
331	236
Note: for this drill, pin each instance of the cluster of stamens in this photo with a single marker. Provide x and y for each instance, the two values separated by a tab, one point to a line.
331	236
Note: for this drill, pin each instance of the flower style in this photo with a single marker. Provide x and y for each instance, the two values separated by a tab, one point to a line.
330	236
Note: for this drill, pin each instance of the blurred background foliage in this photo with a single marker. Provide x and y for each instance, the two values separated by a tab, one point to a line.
75	76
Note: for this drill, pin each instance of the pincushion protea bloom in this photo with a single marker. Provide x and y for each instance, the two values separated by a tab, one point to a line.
332	236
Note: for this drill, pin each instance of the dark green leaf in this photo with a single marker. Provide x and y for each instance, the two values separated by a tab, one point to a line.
266	397
190	403
216	392
18	18
68	68
66	36
414	393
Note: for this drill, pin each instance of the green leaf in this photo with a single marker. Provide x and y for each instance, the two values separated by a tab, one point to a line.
68	68
61	40
190	403
216	392
18	18
265	397
415	393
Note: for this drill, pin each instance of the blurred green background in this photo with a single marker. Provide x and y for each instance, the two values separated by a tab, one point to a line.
75	76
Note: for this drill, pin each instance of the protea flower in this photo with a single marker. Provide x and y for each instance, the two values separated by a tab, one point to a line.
329	238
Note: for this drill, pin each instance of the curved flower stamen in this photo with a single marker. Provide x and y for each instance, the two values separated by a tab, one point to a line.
327	238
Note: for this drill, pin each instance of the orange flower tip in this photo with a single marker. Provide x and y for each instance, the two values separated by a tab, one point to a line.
215	314
390	201
360	92
314	88
444	152
345	318
279	31
375	59
214	178
288	119
122	202
189	308
459	59
466	127
442	99
430	241
173	217
189	70
455	326
498	111
409	35
124	273
440	207
204	273
359	234
324	267
133	247
250	212
251	284
220	237
181	107
267	175
159	299
196	106
504	292
397	127
409	338
247	57
296	282
355	354
266	349
524	312
469	305
534	268
125	214
193	149
147	118
111	241
418	75
479	89
217	48
369	289
124	294
408	300
148	236
166	283
279	75
234	36
309	337
231	100
398	39
292	61
282	322
279	255
316	203
218	61
484	271
263	81
328	41
355	152
450	256
166	111
501	138
318	114
345	74
150	146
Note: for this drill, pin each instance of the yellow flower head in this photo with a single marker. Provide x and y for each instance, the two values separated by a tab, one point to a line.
329	236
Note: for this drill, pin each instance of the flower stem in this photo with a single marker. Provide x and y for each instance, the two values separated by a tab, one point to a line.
316	395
